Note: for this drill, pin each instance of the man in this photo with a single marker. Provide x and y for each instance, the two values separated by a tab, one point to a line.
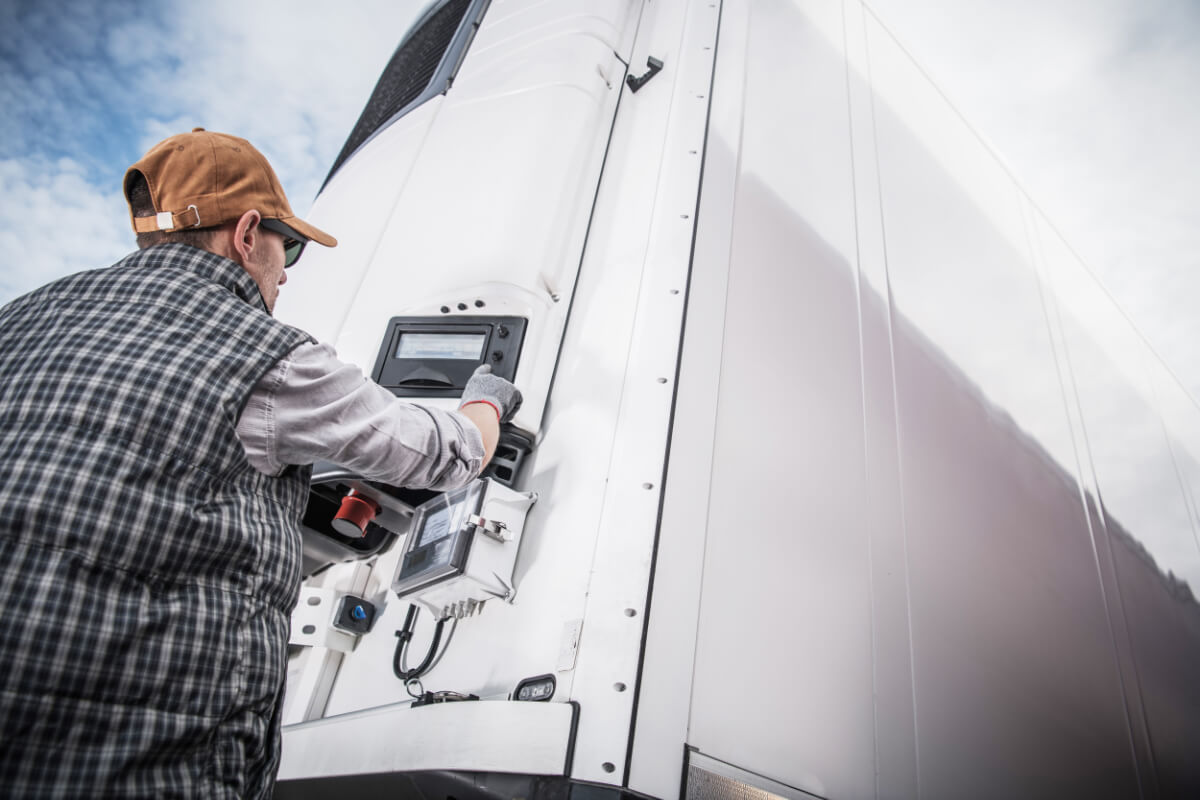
155	427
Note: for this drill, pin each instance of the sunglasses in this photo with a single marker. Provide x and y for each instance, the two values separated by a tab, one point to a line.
292	247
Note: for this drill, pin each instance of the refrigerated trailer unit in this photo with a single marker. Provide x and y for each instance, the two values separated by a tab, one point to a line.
837	475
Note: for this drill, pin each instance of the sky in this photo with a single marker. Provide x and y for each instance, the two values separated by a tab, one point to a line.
88	86
1092	103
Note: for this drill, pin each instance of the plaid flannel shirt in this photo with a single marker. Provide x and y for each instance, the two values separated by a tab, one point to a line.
147	570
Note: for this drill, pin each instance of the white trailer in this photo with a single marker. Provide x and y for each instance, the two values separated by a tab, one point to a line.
838	474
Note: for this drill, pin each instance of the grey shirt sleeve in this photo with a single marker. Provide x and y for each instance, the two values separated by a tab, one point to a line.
312	406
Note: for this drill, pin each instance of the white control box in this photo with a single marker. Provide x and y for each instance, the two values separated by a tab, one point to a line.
462	549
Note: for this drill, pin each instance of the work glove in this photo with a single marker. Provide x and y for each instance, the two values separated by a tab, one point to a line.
484	387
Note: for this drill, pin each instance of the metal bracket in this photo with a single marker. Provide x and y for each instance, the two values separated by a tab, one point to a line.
510	591
312	621
635	83
427	698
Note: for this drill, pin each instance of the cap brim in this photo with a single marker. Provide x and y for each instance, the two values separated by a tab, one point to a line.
308	232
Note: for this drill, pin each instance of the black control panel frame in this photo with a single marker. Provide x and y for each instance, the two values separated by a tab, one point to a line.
445	376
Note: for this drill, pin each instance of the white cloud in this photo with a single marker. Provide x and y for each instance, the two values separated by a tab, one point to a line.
61	225
290	77
292	81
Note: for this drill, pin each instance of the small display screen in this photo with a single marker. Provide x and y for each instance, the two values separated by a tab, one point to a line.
459	346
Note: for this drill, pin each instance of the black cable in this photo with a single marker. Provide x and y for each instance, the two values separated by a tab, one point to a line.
404	636
446	644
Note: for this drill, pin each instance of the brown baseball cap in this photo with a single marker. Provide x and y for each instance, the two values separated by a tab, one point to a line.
203	179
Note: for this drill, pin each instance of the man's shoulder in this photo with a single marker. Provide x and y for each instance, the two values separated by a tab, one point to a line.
65	285
160	257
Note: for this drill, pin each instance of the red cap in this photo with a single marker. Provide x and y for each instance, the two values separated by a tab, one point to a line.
355	514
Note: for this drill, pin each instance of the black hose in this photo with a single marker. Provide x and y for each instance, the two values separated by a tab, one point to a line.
404	636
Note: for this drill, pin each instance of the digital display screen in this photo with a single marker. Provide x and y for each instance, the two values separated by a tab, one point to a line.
459	346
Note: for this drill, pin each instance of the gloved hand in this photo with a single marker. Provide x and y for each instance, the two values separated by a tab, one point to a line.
484	387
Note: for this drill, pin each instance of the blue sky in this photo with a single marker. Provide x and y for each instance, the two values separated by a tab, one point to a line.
1092	103
87	87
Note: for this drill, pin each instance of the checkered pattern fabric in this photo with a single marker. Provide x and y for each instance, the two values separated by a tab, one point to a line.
147	571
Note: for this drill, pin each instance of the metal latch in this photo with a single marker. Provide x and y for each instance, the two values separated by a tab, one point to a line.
492	528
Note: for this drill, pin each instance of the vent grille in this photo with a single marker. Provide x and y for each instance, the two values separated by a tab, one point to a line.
705	785
418	70
710	779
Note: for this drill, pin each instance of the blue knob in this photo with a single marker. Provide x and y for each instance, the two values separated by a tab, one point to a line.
359	612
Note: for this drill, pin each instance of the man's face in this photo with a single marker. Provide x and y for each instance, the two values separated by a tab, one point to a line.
267	269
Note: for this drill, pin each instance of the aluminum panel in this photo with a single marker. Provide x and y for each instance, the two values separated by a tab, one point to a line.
783	681
1015	676
638	253
527	738
1145	464
895	711
665	689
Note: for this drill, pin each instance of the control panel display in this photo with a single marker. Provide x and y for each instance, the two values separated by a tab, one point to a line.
441	345
435	356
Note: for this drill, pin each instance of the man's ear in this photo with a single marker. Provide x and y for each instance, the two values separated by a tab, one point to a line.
247	235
